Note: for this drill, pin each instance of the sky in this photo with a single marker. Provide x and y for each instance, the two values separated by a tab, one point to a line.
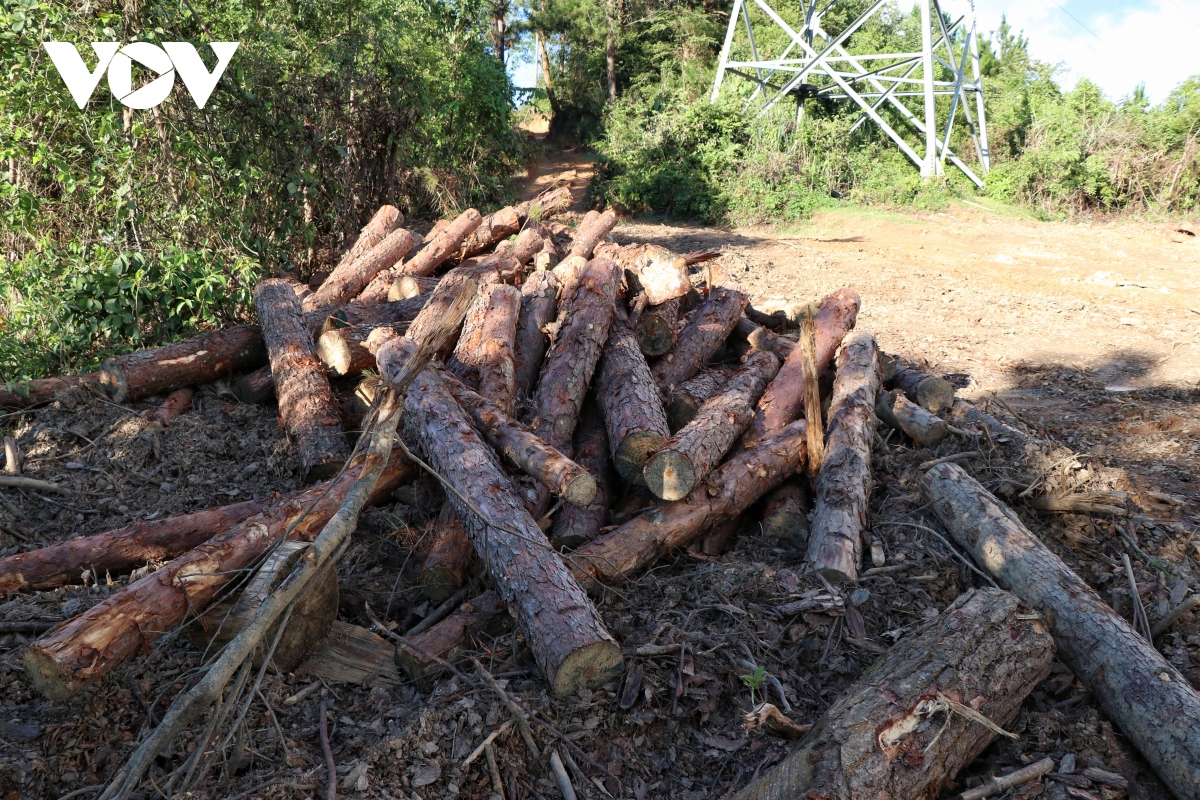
1116	43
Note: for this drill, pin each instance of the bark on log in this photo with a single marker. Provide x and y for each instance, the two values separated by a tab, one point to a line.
409	286
898	412
483	273
727	492
1140	691
965	412
192	362
563	628
759	339
685	400
547	204
844	482
493	229
43	390
177	402
775	313
438	247
306	403
255	387
930	392
451	558
591	232
630	401
418	656
705	332
386	220
120	550
483	358
651	270
349	280
784	399
894	733
675	469
575	524
527	245
539	306
657	328
785	513
82	650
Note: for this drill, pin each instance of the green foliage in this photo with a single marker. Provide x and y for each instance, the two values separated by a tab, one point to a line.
754	682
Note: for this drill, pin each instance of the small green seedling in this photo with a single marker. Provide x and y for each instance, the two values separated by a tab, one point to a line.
755	681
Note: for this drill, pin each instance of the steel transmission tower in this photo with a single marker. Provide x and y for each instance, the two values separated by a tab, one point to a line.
816	63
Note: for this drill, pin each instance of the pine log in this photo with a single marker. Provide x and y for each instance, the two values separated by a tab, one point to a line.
902	414
591	232
386	219
894	733
349	280
674	470
564	631
785	513
177	402
306	403
481	273
351	654
1140	691
630	401
716	540
844	482
784	399
254	387
759	339
685	400
418	656
547	204
450	560
539	306
191	362
931	393
657	328
726	493
23	394
408	286
706	331
575	524
82	650
528	244
483	358
493	229
120	550
651	270
436	250
775	313
966	413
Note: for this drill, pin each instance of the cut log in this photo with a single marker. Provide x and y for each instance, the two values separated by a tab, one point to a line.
907	727
1140	691
784	399
306	403
706	331
575	524
23	394
493	229
931	393
527	245
451	558
436	250
966	413
483	358
898	412
481	273
591	232
255	387
727	492
349	280
409	286
685	400
564	631
546	205
630	401
657	328
674	470
418	657
539	306
776	313
651	270
785	513
845	481
386	219
192	362
120	550
352	654
82	650
759	339
177	402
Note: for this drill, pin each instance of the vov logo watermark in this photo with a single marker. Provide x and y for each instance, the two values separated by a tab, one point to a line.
164	61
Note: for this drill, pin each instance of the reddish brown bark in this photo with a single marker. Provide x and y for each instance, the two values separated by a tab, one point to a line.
494	228
418	657
386	220
31	393
546	205
591	232
436	250
529	243
706	331
630	401
685	400
450	559
539	306
177	402
483	273
349	280
483	358
657	328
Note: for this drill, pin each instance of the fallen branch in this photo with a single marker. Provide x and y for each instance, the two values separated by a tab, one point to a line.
1005	782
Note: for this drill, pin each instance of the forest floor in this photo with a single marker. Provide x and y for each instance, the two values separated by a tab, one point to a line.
1084	335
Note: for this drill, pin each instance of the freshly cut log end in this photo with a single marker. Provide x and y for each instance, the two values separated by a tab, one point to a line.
539	305
630	401
785	513
685	400
255	388
670	475
580	491
708	328
930	392
658	328
634	450
898	412
408	286
589	666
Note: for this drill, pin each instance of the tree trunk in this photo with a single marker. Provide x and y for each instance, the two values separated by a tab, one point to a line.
898	412
539	304
575	524
685	400
408	286
437	249
785	513
82	650
306	402
776	313
43	390
707	330
192	362
727	492
784	399
483	273
591	232
347	281
255	387
996	430
545	59
931	393
483	358
563	628
342	346
386	220
894	733
610	52
120	550
675	469
441	640
657	328
844	482
1148	698
650	270
630	401
493	229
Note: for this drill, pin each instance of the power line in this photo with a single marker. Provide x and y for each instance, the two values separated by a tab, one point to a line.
1072	16
1185	13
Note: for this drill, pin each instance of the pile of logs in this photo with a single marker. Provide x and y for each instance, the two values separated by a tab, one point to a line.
600	407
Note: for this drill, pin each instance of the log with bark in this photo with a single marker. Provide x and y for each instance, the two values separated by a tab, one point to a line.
1141	692
547	204
675	469
775	313
451	557
436	250
306	403
177	403
539	307
706	331
685	400
916	717
902	414
785	512
650	270
349	280
254	387
493	229
657	328
386	219
564	631
82	650
930	392
191	362
758	339
408	286
591	232
481	274
843	485
528	244
483	358
727	492
420	656
630	401
575	524
33	393
784	399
